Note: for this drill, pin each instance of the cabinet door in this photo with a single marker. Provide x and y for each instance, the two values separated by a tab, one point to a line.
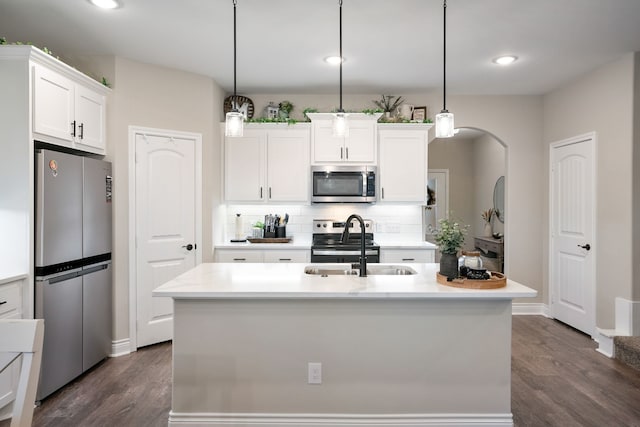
407	255
296	255
360	145
10	308
53	106
90	120
326	148
403	166
235	255
244	167
288	166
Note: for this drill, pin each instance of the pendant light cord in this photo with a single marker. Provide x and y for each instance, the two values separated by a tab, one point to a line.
235	3
340	3
444	60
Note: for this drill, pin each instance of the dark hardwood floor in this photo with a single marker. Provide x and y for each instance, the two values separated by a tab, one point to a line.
558	380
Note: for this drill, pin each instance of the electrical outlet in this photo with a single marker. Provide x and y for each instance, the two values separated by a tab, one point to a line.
315	373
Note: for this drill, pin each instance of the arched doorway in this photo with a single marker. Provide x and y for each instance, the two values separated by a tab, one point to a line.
475	160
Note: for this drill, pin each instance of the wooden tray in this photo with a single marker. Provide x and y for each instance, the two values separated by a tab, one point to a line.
497	280
269	239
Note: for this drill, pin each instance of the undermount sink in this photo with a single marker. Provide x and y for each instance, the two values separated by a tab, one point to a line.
372	270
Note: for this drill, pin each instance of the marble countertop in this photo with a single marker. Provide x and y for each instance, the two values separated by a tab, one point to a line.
288	281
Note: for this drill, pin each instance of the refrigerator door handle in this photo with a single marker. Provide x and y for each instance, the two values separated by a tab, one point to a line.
93	269
63	278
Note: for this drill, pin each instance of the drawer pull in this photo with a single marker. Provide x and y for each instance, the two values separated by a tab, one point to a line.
285	259
239	259
408	259
2	302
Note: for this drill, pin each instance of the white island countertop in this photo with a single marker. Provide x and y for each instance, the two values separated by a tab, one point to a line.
288	280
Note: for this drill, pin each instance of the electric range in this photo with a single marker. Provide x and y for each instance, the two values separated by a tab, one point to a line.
326	245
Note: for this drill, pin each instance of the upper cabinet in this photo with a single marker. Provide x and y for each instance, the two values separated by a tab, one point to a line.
403	163
270	163
359	147
68	113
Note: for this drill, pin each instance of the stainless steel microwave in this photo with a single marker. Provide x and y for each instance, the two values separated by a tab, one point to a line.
343	184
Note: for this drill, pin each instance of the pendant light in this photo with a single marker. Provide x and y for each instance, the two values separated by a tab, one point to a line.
444	120
340	123
234	120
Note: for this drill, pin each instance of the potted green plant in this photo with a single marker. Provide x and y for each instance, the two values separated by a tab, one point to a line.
449	237
285	109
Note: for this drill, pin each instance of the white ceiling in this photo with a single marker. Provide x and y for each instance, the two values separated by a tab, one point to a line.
390	46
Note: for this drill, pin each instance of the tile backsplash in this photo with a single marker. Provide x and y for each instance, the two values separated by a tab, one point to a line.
391	221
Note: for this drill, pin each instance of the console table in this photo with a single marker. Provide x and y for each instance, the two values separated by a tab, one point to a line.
495	246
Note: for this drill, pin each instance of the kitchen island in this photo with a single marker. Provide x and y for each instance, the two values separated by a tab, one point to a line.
393	350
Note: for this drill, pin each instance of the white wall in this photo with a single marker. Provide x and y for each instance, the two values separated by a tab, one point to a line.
151	96
489	165
601	101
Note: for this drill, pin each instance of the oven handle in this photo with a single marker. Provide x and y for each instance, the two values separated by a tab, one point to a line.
342	252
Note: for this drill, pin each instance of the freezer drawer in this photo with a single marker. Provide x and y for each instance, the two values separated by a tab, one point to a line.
59	303
96	314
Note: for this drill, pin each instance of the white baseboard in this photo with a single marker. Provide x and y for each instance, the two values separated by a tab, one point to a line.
604	338
177	419
536	308
627	317
120	347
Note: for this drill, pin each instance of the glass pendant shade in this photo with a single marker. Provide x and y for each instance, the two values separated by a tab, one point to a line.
340	125
444	124
234	124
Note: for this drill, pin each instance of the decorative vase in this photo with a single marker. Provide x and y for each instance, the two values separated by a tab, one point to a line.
449	265
488	232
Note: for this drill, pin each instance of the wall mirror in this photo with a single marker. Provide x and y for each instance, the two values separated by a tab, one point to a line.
498	199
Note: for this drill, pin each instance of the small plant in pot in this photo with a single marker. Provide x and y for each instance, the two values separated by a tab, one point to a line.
449	237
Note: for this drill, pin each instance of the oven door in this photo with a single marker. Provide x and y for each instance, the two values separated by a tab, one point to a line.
323	255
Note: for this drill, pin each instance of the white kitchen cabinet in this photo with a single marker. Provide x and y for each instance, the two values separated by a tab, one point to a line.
286	255
406	255
359	147
10	308
403	168
259	255
68	113
268	164
238	255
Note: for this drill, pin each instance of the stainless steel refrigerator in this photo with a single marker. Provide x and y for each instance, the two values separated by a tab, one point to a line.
73	264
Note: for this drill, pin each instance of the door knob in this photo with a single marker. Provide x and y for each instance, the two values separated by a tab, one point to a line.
188	247
587	246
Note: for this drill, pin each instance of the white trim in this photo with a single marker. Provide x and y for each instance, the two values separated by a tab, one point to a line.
337	420
594	179
530	309
133	131
120	348
604	338
627	317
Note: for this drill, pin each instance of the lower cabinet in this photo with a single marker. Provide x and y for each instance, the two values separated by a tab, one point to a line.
407	255
10	308
257	255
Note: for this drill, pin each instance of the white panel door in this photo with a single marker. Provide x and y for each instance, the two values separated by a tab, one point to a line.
90	119
288	171
403	166
244	165
572	236
53	105
165	227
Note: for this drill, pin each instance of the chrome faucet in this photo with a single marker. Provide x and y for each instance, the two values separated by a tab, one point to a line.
345	237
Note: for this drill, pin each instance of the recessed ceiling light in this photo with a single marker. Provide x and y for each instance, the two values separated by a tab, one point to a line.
334	60
505	60
106	4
